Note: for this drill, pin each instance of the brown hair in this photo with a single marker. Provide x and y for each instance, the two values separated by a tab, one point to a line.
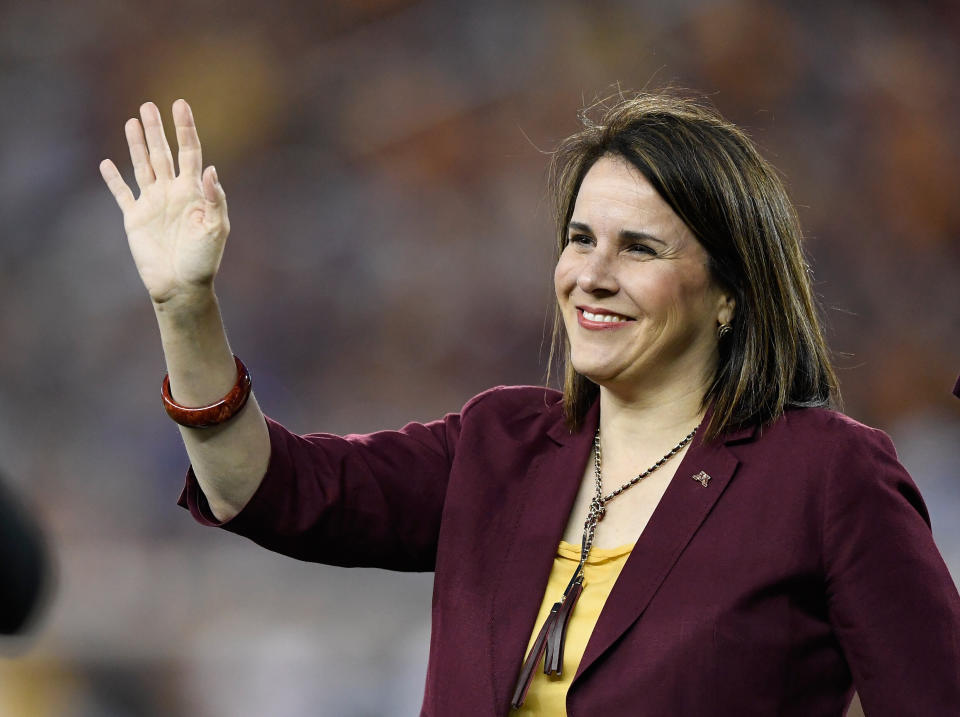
715	180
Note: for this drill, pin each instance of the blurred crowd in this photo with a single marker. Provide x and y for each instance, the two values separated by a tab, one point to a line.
390	257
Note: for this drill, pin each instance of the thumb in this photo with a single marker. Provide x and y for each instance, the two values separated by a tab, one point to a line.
212	191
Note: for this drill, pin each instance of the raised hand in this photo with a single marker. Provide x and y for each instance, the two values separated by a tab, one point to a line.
178	225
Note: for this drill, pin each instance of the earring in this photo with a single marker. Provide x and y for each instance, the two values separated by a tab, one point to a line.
723	330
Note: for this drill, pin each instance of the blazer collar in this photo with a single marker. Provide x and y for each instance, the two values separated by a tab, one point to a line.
543	503
543	510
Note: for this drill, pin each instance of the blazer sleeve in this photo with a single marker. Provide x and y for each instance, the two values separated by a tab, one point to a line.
356	500
892	602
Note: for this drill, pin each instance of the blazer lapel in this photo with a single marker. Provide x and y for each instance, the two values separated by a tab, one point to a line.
550	487
683	507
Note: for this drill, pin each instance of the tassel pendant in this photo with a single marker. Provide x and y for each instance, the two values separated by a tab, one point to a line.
550	641
530	664
553	661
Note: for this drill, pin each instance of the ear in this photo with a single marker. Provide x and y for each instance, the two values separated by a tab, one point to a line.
726	309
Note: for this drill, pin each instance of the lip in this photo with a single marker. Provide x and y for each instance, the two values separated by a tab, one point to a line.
600	325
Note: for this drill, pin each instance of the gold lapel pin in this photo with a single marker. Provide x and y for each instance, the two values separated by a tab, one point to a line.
702	478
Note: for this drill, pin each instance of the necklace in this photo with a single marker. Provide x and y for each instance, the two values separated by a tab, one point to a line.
552	635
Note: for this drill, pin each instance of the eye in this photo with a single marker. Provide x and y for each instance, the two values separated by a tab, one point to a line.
581	239
641	249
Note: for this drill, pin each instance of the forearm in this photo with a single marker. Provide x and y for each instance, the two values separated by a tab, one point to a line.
177	229
230	459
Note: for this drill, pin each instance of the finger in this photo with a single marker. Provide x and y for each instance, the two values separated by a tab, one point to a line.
138	154
190	158
212	190
121	192
216	218
160	158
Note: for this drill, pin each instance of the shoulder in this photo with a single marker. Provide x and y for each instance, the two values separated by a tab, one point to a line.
831	444
516	401
826	429
850	464
818	447
524	413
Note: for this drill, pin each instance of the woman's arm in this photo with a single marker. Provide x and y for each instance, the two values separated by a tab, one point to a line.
177	229
893	604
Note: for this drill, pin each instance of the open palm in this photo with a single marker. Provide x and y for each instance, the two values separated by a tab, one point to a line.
178	225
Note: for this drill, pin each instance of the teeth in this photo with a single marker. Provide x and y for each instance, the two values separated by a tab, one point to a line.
608	318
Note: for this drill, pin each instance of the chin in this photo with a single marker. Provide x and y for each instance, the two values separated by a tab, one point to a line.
598	374
601	364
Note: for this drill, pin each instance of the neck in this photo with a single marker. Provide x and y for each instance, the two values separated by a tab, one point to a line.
662	417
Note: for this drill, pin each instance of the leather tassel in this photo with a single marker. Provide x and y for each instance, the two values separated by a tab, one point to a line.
557	637
530	664
550	641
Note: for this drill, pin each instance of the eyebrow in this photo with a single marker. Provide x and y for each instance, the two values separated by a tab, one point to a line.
624	233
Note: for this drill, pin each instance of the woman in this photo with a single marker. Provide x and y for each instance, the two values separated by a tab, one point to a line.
701	534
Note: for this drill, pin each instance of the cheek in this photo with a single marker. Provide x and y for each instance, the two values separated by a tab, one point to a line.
696	300
564	277
692	293
673	295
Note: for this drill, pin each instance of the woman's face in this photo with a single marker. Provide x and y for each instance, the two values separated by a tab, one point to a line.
639	305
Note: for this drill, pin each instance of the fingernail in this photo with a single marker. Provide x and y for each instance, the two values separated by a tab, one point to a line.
216	179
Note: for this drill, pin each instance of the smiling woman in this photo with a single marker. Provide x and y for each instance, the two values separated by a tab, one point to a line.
704	181
688	529
639	304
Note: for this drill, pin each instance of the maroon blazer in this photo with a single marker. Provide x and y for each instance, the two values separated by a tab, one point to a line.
805	565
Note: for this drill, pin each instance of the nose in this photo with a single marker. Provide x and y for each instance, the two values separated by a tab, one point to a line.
596	275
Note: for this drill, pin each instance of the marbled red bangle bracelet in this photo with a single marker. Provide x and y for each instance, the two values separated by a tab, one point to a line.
215	413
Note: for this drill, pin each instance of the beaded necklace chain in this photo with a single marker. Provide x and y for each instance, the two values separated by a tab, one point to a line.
552	635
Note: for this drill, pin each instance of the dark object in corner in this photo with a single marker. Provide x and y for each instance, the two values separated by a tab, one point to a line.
23	563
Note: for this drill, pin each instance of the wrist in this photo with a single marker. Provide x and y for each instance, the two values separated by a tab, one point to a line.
186	304
216	412
191	329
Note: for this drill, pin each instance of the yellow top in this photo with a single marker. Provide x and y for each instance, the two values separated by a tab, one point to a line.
548	693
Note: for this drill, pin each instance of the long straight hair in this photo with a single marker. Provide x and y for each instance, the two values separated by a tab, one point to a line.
734	203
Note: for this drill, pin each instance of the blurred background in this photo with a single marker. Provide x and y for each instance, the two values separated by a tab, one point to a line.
390	257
